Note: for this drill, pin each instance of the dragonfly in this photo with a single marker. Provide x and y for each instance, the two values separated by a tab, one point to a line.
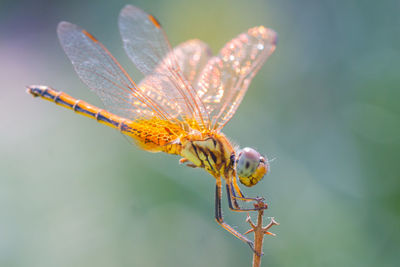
180	107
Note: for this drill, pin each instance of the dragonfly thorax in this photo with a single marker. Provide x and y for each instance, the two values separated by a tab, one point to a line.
210	151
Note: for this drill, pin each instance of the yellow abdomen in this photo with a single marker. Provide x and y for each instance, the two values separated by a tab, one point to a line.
150	134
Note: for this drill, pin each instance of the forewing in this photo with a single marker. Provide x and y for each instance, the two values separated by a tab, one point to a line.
102	73
146	44
225	79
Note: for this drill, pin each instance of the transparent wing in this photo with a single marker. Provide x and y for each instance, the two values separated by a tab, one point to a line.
225	79
146	44
191	56
103	74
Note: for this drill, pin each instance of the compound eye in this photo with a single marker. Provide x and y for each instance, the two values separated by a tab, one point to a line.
247	162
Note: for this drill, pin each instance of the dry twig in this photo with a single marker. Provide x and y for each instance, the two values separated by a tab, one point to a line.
259	232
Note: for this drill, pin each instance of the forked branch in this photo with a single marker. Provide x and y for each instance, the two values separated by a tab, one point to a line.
259	231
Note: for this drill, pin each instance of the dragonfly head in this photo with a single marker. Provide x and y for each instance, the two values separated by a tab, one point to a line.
250	166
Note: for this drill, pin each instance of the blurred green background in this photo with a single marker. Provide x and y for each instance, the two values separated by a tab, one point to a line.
325	106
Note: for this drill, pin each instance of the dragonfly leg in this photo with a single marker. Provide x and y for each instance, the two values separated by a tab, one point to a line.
233	205
184	160
220	219
232	202
240	195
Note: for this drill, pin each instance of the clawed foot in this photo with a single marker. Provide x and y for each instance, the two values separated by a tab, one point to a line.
248	199
260	205
251	245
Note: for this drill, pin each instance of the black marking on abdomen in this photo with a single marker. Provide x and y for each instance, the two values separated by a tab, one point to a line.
125	128
62	102
56	98
77	108
100	117
38	92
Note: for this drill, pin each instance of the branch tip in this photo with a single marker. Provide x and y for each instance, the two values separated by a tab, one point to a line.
249	231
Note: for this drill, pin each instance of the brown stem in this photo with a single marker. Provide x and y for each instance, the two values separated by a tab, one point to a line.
259	232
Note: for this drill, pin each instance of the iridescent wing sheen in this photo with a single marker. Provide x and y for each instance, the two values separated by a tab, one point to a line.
225	79
146	44
104	75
